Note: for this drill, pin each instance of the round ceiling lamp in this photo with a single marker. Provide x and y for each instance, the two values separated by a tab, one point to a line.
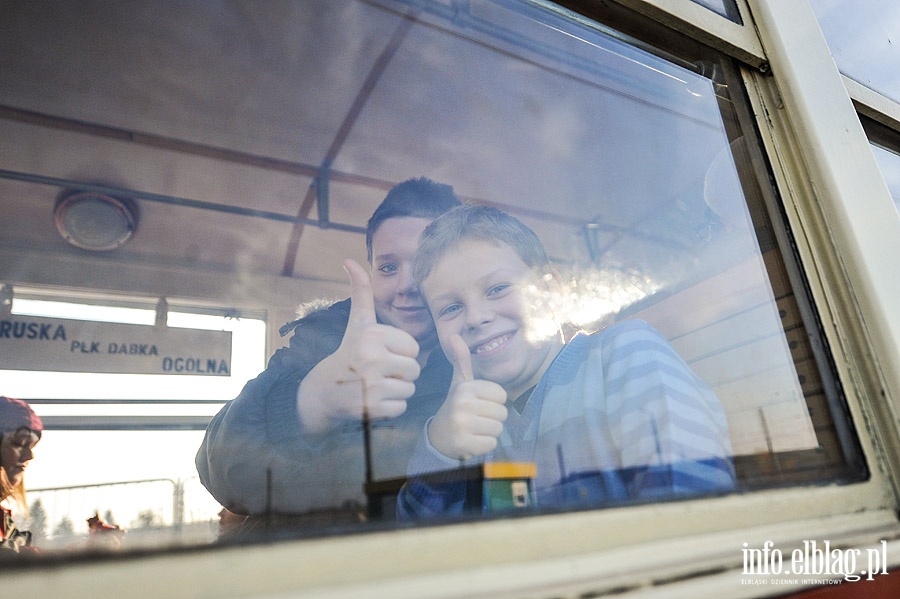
95	221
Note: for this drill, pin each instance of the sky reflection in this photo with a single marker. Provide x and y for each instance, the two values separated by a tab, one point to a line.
864	39
586	298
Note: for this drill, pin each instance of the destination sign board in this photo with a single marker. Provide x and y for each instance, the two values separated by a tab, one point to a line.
67	345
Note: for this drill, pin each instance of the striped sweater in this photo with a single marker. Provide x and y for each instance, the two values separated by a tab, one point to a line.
617	417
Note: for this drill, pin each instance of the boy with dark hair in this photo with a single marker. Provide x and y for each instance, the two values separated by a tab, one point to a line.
292	442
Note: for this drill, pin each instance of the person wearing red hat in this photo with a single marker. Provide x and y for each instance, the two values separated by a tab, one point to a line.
20	430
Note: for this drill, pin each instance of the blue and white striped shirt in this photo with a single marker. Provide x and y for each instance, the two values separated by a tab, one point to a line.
617	417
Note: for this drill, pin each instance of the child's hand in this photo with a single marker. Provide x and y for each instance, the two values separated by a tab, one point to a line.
376	357
383	356
472	417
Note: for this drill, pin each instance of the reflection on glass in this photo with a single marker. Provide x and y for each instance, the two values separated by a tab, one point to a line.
627	163
862	38
726	8
623	165
154	496
119	446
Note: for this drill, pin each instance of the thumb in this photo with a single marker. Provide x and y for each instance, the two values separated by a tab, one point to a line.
461	359
362	302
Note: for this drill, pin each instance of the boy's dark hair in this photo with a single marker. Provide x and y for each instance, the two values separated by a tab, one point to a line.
482	223
418	198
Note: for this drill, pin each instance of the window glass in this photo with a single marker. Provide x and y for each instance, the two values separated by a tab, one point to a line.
889	162
861	38
726	8
884	146
121	445
256	146
143	481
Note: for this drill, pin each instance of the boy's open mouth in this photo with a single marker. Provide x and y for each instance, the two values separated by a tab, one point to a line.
491	345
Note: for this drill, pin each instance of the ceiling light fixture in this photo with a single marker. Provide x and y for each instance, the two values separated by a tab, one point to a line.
95	221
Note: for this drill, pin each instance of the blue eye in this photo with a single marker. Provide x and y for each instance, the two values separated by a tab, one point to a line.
388	269
449	311
498	289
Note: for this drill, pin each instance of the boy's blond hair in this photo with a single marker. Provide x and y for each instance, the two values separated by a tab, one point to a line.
481	223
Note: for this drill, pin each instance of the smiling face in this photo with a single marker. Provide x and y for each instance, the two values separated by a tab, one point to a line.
397	298
15	453
475	290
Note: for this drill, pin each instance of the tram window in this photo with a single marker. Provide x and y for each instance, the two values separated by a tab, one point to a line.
634	169
885	146
889	162
636	165
116	444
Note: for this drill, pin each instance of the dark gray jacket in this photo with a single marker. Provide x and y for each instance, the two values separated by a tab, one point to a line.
255	459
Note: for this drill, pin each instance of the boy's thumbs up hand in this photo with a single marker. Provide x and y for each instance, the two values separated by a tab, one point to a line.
378	358
362	299
383	357
473	414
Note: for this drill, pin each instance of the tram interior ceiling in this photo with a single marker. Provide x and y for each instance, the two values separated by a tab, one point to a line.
230	156
259	141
